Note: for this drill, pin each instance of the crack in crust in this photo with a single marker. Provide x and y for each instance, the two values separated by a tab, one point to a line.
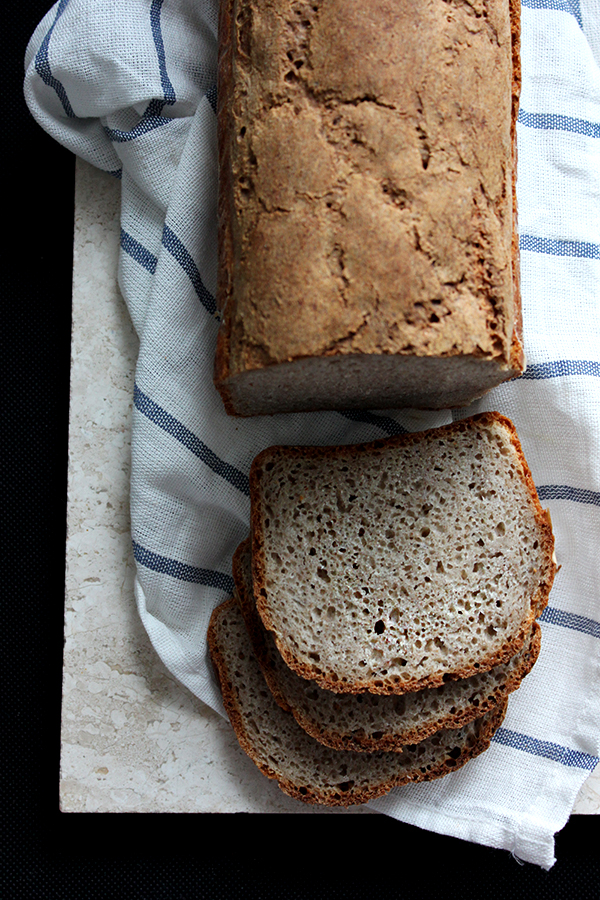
311	162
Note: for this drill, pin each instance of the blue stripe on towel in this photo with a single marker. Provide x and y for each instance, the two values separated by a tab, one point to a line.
211	96
554	122
182	571
549	750
386	423
138	252
559	368
144	126
559	617
176	429
566	492
152	119
178	251
168	89
569	6
559	248
42	64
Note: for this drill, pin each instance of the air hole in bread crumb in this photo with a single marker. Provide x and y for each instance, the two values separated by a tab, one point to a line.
398	661
379	627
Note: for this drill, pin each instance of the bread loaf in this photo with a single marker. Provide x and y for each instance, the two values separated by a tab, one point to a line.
367	722
368	253
304	768
393	566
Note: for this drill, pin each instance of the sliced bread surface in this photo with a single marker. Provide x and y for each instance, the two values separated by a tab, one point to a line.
304	768
368	722
393	566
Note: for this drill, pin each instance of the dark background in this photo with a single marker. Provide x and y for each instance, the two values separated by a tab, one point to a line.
46	854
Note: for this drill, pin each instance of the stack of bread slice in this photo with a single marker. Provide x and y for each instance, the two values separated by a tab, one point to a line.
385	607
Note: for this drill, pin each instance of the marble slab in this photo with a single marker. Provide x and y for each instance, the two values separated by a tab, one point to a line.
133	738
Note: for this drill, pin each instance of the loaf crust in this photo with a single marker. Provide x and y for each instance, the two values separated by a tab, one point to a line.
379	678
367	203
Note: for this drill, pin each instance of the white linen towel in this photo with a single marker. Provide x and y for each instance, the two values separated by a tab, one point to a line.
130	87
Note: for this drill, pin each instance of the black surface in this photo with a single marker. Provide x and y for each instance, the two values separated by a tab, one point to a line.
46	854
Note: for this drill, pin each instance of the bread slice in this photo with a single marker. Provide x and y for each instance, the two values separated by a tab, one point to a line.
304	768
393	566
368	249
367	722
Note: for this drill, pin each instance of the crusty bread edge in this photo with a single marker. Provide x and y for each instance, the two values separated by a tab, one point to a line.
360	741
225	205
489	724
253	622
517	357
517	352
539	600
364	743
228	691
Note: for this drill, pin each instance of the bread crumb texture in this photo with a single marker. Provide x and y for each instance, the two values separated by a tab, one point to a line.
306	769
392	566
367	722
371	203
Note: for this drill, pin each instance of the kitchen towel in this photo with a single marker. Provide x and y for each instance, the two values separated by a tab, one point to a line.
130	87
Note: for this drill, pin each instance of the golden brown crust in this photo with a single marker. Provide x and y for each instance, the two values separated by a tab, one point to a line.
346	324
362	742
220	669
489	725
539	601
517	352
542	517
225	208
253	621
